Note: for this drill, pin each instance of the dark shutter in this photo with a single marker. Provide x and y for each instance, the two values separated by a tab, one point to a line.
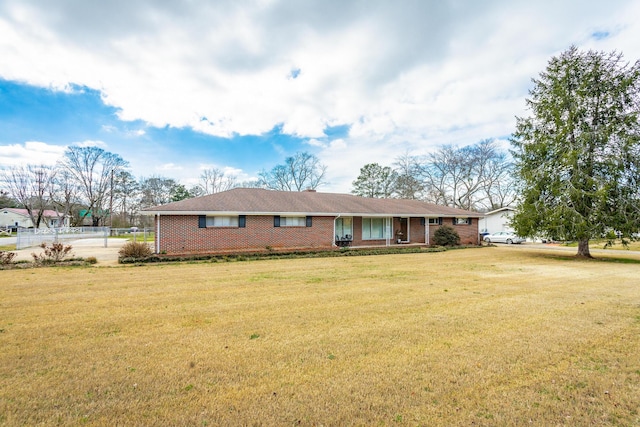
440	221
422	222
470	221
453	220
309	221
276	221
202	221
242	221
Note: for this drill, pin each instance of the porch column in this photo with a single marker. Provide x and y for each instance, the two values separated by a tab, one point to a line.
426	231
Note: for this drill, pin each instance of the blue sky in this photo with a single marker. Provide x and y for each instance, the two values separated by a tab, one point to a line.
175	88
79	115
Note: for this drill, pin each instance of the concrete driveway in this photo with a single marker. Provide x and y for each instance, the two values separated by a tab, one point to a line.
8	241
81	249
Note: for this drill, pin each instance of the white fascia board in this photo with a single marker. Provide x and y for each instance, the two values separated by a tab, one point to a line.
506	208
340	214
229	213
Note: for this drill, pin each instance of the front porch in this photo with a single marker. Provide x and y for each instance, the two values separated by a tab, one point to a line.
378	231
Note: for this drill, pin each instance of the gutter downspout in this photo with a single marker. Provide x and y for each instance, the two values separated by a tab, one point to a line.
334	231
158	235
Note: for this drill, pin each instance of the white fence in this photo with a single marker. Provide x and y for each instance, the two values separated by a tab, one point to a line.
28	237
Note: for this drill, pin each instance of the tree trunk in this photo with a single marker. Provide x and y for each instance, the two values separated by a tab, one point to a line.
583	248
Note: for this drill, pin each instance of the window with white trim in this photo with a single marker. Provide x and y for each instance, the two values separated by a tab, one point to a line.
344	227
293	221
373	228
222	221
461	221
434	221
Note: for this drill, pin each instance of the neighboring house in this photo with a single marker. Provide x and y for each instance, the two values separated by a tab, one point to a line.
497	220
19	218
250	219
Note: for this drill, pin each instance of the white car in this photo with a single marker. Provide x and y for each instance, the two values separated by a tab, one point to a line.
507	237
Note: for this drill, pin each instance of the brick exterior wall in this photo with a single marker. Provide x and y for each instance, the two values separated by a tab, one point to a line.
468	232
416	230
180	234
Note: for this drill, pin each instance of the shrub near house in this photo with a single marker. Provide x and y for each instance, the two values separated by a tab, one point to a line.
446	236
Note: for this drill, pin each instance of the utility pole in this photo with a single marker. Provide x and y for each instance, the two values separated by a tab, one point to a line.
111	202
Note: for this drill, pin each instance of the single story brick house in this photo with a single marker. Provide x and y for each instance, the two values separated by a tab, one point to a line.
253	219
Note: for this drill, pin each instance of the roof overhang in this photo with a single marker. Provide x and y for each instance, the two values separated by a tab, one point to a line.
334	214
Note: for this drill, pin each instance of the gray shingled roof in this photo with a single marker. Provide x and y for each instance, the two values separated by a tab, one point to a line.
258	201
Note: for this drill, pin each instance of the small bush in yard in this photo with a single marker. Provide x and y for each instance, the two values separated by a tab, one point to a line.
446	236
55	252
6	257
135	250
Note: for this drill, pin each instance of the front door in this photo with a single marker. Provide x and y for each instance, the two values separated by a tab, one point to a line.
404	230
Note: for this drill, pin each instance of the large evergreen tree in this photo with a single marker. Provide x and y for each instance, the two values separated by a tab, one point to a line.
578	153
375	181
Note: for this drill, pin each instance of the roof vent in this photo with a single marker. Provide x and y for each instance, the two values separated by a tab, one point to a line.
309	190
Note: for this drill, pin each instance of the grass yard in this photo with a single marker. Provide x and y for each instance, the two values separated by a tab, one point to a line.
139	237
489	336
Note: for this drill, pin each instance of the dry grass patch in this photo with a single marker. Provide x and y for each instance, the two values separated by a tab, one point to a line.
475	337
617	245
633	246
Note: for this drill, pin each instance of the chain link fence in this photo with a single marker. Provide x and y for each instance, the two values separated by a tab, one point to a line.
29	237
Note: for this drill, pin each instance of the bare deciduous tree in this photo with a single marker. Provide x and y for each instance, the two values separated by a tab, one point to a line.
299	172
499	188
126	192
473	177
93	168
64	193
6	201
408	185
214	180
31	186
156	190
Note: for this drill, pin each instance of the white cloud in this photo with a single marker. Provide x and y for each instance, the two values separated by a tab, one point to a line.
136	132
316	143
169	167
109	128
404	76
91	143
31	152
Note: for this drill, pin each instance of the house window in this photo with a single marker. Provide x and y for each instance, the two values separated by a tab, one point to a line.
222	221
373	228
462	221
293	221
434	221
344	227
